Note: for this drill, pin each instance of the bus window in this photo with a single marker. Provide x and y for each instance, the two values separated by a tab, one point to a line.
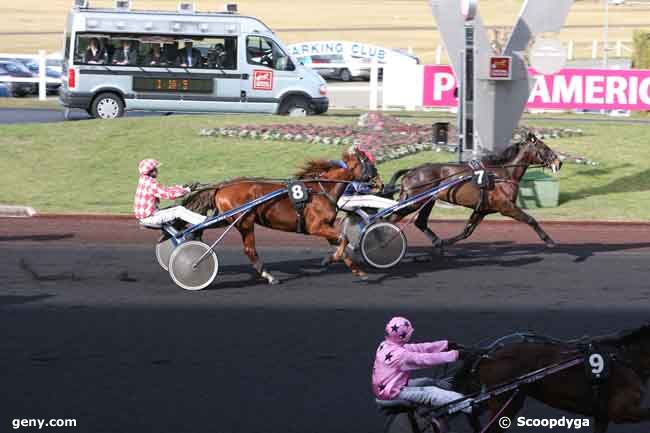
218	53
265	52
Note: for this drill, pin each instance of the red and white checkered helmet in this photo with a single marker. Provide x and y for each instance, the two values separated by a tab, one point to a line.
146	165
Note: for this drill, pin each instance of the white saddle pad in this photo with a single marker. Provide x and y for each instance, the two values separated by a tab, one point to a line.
352	202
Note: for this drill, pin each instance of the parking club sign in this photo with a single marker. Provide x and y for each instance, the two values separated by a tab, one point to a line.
262	80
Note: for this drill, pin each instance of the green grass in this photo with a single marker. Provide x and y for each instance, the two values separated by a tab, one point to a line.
91	166
51	103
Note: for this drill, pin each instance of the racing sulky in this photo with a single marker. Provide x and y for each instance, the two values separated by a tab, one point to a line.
320	183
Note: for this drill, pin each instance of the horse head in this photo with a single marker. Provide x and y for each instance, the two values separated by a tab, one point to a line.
636	347
362	165
540	153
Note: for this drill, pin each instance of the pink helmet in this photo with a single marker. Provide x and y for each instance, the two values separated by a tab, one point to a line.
399	330
146	165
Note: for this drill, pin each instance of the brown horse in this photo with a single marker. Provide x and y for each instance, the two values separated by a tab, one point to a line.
507	169
326	182
617	399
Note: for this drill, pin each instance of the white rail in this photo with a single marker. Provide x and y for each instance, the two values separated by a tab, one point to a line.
42	79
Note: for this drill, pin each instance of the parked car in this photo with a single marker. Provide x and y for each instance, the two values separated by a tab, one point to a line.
4	91
34	68
319	64
17	70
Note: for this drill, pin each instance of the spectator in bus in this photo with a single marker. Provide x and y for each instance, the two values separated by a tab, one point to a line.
189	57
125	55
171	53
155	57
108	49
94	55
217	56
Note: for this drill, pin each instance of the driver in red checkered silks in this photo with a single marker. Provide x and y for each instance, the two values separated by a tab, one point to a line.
148	195
395	359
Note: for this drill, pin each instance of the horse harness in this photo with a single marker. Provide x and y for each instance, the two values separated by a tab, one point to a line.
484	181
598	363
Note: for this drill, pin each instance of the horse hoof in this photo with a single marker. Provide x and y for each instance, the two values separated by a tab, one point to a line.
364	277
325	262
274	281
550	244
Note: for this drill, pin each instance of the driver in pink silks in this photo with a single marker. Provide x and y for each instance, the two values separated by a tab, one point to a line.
148	195
395	359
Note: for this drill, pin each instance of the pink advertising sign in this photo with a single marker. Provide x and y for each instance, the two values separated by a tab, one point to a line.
571	88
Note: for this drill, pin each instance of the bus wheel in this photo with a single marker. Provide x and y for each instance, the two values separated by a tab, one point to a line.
107	106
296	106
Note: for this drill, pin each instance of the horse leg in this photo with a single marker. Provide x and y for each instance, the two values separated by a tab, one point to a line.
248	238
473	222
332	235
422	223
474	422
521	216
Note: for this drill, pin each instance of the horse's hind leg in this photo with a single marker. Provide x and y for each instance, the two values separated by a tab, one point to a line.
520	215
247	232
473	222
422	223
333	235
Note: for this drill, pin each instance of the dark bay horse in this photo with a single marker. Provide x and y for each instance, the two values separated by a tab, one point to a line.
508	169
326	181
616	400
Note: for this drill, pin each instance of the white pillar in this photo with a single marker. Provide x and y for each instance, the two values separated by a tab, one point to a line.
438	54
571	50
374	84
42	75
619	48
594	49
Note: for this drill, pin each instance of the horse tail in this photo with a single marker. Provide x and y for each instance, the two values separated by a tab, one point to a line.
390	189
201	201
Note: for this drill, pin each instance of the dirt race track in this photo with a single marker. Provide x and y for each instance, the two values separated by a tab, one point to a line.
92	329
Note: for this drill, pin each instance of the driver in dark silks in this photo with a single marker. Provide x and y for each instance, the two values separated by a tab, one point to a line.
395	359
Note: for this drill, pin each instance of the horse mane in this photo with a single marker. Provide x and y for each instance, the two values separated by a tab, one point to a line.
626	336
201	201
504	157
315	167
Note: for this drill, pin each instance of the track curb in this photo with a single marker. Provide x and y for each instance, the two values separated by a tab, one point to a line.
8	211
125	217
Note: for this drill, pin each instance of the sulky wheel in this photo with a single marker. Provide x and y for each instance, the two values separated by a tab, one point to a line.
164	250
383	245
186	270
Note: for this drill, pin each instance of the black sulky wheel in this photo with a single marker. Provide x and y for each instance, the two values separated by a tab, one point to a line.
383	245
186	270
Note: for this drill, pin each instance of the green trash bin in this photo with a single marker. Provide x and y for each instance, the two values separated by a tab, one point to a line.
538	189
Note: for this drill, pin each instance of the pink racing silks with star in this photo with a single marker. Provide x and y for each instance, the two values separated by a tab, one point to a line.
395	359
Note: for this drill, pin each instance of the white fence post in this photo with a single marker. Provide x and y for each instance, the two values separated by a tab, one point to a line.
42	76
594	49
570	50
438	54
619	48
374	84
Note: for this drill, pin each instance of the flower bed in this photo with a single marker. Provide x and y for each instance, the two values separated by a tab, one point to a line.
386	137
